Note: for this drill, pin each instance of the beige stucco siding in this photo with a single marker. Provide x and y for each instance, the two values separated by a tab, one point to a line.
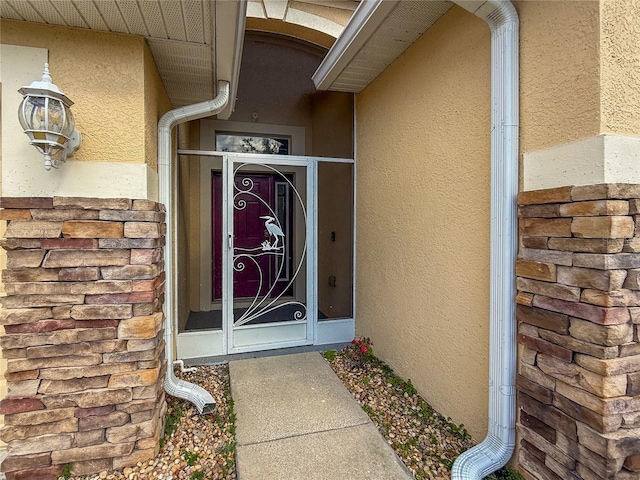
580	92
559	72
113	82
579	70
620	71
423	174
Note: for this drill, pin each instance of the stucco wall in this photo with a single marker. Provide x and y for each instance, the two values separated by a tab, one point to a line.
620	66
423	173
559	72
332	113
580	92
275	82
425	304
113	82
188	226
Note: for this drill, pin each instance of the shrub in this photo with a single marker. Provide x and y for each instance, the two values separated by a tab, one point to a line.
359	352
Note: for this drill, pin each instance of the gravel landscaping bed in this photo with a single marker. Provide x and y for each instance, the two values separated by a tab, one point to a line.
426	441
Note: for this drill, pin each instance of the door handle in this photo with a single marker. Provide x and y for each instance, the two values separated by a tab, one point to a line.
230	240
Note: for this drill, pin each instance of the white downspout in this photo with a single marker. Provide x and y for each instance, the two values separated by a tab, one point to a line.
497	448
167	177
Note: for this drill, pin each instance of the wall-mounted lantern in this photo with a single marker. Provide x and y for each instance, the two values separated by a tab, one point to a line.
46	118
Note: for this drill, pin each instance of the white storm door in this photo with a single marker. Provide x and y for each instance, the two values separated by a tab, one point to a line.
269	220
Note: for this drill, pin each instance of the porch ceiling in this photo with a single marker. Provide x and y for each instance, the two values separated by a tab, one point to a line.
180	34
379	32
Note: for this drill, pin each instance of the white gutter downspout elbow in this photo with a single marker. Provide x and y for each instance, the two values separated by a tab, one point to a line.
167	177
497	448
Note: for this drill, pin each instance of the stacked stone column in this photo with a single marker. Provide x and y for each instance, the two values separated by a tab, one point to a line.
578	318
83	334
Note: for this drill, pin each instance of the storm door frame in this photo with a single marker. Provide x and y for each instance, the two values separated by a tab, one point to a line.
194	344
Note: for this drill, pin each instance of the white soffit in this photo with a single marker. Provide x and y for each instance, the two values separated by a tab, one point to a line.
179	34
186	70
377	34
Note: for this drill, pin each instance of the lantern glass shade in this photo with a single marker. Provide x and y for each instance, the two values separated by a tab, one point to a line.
45	116
46	120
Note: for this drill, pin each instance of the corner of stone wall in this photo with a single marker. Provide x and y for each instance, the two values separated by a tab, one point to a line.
84	334
578	313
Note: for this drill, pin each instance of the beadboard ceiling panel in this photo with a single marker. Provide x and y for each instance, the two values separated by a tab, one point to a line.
185	69
179	34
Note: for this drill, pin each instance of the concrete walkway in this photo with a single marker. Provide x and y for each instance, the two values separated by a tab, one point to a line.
296	420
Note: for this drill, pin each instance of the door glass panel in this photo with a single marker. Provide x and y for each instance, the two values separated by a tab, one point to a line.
335	240
269	244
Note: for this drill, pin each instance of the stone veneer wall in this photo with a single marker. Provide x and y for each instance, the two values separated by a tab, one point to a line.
84	334
578	318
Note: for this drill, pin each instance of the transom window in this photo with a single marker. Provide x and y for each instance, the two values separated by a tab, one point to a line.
248	143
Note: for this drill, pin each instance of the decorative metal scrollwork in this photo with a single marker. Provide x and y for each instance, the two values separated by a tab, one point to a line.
275	245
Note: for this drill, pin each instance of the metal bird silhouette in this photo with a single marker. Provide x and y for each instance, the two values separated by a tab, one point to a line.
274	230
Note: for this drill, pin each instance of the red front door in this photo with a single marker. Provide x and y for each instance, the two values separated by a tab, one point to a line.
249	234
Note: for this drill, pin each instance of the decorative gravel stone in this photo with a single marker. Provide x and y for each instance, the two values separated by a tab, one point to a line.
198	443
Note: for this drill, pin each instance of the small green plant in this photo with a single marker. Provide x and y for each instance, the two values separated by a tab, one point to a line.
425	410
409	388
227	421
458	430
191	458
197	475
171	421
395	381
330	355
232	418
66	471
505	473
227	448
368	410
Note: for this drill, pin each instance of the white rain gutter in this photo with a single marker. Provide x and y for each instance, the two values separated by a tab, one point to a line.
497	448
167	173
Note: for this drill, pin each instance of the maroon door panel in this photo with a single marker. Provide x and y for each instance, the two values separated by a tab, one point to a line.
249	233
